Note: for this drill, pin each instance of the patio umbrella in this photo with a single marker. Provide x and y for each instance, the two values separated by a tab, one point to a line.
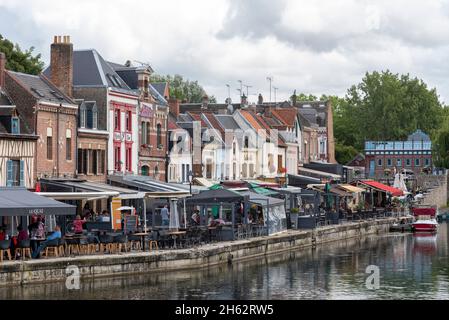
174	218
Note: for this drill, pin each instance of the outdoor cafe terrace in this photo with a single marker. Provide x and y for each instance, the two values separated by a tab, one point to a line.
214	215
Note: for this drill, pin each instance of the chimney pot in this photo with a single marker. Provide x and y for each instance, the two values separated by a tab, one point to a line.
55	39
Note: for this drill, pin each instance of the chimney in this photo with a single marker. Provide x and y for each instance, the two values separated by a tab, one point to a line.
205	102
173	104
244	101
62	64
2	69
260	101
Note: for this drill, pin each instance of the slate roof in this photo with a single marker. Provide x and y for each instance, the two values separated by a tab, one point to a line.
314	111
4	99
130	76
90	69
157	96
227	122
41	88
160	87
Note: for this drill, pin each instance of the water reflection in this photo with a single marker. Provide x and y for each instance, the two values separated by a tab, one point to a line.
411	267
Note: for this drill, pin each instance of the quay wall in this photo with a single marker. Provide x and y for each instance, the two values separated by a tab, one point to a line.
18	273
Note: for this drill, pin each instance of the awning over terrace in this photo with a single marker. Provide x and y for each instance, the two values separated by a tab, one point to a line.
215	197
21	202
382	187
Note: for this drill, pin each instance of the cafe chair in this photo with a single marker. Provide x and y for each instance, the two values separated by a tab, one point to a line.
62	247
84	246
23	250
5	248
134	242
92	245
52	248
72	246
153	241
120	243
106	243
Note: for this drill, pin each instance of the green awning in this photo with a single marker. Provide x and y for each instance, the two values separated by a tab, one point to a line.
264	191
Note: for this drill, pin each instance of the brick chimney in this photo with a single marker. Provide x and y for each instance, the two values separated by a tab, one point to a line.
62	64
205	103
173	104
2	69
260	100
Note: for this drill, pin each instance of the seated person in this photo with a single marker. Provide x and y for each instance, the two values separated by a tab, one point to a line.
105	216
196	219
55	235
78	224
22	235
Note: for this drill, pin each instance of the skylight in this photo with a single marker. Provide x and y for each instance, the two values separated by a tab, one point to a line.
39	93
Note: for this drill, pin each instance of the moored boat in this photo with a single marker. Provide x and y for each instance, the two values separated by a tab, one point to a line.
403	225
425	220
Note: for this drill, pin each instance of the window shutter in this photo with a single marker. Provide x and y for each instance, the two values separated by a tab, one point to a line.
9	173
22	173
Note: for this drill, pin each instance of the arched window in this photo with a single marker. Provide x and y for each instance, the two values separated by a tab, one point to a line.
82	116
148	133
145	171
159	136
94	117
144	133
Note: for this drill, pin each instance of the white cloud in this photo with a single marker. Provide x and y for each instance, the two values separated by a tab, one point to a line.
317	47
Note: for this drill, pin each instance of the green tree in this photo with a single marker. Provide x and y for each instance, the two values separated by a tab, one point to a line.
18	60
184	90
386	106
344	154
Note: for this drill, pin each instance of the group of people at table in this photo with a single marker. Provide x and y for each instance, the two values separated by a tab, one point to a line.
35	233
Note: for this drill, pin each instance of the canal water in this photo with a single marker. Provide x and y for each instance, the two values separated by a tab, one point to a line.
410	267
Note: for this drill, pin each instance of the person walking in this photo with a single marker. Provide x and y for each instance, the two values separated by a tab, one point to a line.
165	216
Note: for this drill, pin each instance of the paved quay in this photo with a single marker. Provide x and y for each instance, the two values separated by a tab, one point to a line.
96	266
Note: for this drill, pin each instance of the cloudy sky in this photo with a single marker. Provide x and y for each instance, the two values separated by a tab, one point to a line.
311	46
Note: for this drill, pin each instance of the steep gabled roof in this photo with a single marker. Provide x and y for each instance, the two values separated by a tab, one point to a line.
227	122
197	117
286	115
41	88
161	88
90	69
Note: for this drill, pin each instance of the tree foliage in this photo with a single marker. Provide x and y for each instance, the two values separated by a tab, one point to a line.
386	106
184	90
18	60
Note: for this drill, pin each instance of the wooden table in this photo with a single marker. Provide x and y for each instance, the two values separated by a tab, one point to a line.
142	236
175	234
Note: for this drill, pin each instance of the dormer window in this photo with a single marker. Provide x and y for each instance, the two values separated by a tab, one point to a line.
15	125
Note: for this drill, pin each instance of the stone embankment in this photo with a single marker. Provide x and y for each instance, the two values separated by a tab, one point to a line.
52	270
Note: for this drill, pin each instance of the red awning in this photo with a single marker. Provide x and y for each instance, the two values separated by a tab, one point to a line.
380	186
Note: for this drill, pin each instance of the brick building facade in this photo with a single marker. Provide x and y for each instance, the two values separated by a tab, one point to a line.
51	115
414	154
